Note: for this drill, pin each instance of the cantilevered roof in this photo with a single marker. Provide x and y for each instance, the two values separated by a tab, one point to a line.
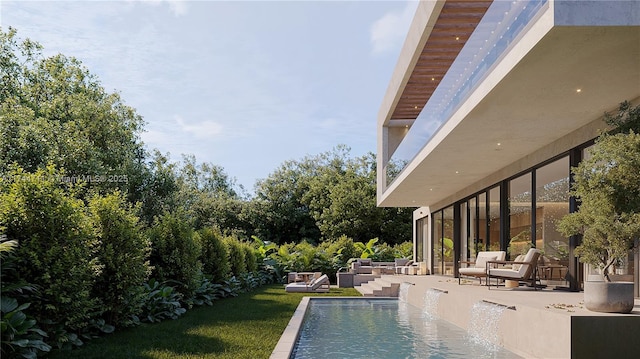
453	26
554	80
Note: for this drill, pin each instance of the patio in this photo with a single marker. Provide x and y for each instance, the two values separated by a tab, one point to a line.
543	324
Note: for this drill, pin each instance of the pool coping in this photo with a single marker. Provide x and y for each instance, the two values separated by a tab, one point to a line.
287	342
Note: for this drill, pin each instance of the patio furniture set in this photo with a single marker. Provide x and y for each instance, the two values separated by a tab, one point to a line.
528	268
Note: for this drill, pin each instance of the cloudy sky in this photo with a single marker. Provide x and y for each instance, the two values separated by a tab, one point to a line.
245	85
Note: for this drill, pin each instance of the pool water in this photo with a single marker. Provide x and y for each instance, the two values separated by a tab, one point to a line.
383	328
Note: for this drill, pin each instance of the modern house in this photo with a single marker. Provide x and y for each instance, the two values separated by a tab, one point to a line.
489	106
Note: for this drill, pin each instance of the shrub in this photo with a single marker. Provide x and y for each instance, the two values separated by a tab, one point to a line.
341	249
214	255
403	250
250	257
56	247
175	252
123	252
237	258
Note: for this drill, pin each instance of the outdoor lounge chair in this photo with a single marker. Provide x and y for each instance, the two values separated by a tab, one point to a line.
320	284
526	270
408	267
479	267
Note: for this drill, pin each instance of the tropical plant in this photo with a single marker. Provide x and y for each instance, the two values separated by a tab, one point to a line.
161	302
367	250
20	335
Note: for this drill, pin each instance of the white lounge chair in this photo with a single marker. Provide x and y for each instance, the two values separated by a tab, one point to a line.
525	270
478	268
320	284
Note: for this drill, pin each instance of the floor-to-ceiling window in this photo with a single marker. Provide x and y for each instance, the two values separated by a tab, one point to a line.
520	218
493	235
443	227
438	231
473	226
447	241
482	224
421	238
552	203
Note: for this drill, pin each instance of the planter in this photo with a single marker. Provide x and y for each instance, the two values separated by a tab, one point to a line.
608	297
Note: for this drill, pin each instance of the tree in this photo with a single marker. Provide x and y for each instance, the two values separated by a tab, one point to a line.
342	200
326	196
277	212
210	196
607	185
54	111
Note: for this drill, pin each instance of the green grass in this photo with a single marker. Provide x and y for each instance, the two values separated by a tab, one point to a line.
248	326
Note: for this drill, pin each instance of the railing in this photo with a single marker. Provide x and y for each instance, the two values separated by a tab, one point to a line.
500	26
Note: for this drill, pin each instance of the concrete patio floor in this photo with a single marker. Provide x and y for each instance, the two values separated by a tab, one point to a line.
543	323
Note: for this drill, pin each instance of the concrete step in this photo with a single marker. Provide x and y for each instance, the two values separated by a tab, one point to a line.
385	286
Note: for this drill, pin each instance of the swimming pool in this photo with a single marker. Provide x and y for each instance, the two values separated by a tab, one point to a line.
382	328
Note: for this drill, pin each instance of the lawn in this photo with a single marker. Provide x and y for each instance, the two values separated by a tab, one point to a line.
248	326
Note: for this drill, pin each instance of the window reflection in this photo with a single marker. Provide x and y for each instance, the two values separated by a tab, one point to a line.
552	203
520	215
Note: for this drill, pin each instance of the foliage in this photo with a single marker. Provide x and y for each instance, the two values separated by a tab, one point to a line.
175	252
157	189
625	120
277	213
403	250
214	254
209	291
237	259
123	253
341	250
20	335
267	264
210	196
56	251
161	302
369	249
54	111
250	257
323	197
607	186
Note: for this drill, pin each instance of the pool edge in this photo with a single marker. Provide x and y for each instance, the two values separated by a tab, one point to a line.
287	342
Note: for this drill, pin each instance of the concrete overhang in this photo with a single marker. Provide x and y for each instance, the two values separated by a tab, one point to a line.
558	80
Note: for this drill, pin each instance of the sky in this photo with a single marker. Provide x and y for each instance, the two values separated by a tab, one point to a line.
245	85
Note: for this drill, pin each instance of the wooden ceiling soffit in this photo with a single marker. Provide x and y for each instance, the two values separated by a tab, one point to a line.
456	22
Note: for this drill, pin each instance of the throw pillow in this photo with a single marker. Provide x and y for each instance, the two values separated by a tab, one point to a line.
481	261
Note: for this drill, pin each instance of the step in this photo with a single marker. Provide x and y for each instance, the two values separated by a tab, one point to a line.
386	286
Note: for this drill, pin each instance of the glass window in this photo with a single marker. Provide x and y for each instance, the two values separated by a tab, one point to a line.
494	220
468	220
443	242
520	215
437	243
421	231
552	203
447	241
482	224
